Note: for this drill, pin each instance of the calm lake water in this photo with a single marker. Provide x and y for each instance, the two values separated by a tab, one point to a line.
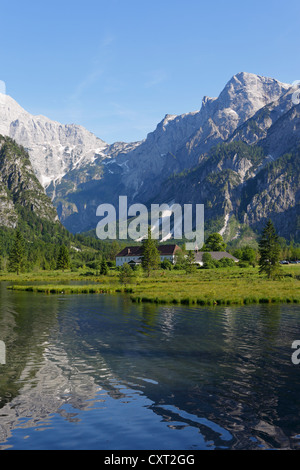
99	372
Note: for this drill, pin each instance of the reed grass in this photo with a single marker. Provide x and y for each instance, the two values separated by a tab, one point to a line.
64	289
232	286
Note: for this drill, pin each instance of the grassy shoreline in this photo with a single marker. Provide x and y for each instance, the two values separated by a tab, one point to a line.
228	286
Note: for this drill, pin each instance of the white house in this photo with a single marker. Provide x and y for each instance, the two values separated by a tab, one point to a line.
133	254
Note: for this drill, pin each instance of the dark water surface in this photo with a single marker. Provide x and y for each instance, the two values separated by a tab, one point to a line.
98	372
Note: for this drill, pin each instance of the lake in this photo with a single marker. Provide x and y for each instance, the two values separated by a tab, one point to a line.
100	372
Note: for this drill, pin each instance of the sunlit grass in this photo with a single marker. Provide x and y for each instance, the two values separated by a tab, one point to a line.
226	286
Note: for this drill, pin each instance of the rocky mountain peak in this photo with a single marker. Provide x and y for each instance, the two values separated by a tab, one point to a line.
246	93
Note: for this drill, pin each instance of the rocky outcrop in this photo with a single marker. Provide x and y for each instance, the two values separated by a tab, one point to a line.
275	193
19	187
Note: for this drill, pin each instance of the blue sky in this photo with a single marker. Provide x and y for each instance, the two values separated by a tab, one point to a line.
117	67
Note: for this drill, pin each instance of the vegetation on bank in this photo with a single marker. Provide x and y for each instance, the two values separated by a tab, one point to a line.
258	276
227	286
42	243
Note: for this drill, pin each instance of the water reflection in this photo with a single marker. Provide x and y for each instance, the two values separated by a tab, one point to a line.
141	376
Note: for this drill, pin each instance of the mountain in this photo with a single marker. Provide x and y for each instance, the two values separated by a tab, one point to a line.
24	205
179	141
220	155
177	144
241	187
55	149
243	96
20	191
251	176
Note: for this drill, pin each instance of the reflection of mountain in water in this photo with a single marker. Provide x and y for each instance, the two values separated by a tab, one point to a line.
224	372
39	378
24	325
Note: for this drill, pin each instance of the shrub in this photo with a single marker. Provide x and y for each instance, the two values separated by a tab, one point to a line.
166	264
225	263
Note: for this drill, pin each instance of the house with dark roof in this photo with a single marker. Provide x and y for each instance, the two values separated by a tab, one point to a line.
216	255
133	254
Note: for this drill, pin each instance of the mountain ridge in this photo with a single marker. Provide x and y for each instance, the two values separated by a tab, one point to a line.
252	109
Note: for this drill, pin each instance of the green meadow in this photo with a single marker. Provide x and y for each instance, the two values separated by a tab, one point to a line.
226	286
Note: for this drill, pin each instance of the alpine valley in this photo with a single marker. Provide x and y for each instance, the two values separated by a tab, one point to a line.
239	155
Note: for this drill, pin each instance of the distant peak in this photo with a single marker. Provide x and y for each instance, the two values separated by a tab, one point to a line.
245	78
245	75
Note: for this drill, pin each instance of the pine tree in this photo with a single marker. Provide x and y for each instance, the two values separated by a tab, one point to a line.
150	254
103	267
63	259
190	262
269	250
17	253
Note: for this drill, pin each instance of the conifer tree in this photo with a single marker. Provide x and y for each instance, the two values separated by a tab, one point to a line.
269	250
190	262
17	253
103	267
150	254
63	259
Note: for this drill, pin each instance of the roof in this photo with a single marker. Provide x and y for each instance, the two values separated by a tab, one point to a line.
168	249
164	250
130	251
216	255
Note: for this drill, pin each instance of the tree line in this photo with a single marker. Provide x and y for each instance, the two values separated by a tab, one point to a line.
267	257
22	250
74	252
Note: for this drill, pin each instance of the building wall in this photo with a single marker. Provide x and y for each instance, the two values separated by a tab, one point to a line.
120	260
